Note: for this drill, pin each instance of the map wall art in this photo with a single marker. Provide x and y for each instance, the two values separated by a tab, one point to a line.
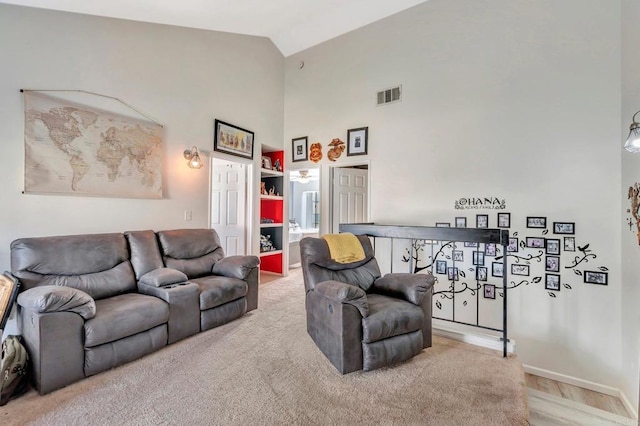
76	149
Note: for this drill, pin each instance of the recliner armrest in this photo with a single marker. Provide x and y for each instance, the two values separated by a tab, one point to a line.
409	287
54	298
161	277
235	266
344	293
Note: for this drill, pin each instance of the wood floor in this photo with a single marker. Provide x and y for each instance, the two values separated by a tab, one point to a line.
555	403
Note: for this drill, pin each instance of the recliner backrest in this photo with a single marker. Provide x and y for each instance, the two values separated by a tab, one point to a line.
145	251
97	264
317	265
192	251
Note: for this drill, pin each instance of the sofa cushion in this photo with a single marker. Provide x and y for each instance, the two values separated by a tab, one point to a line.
390	317
215	290
163	276
124	315
192	251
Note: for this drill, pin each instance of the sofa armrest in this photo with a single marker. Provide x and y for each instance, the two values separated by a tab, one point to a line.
235	266
409	287
161	277
53	298
344	293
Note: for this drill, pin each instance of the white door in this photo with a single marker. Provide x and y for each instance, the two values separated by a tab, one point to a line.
228	201
350	196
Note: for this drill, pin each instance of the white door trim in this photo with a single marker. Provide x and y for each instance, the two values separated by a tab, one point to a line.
341	165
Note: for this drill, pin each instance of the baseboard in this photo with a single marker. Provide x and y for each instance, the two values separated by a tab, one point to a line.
586	384
482	340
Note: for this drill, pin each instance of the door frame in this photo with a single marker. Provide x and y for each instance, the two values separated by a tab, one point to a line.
248	194
346	165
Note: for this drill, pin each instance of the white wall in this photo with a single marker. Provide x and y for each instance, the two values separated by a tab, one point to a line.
630	176
183	78
514	99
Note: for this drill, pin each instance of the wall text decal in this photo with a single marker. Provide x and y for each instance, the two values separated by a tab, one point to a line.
490	203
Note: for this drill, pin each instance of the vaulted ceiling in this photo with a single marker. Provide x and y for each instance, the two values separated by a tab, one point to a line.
292	25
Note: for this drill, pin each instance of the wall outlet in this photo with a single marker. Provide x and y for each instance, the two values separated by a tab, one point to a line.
187	215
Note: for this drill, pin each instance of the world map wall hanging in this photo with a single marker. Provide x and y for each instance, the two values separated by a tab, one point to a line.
73	148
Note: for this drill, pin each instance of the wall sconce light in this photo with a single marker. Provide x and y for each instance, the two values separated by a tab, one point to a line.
193	158
633	141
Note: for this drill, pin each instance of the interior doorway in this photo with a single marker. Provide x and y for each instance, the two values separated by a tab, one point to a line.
349	187
304	210
228	205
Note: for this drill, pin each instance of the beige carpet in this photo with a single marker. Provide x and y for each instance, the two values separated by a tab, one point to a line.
264	369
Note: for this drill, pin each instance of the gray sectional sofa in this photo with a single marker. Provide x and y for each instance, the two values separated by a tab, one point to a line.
89	303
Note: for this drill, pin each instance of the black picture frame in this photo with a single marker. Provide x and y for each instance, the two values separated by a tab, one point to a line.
504	220
233	140
357	141
535	242
441	267
552	264
552	282
478	258
482	221
569	243
457	255
520	269
553	246
9	286
489	291
453	274
514	245
461	222
481	273
564	228
470	244
299	149
596	277
443	225
537	222
497	269
490	249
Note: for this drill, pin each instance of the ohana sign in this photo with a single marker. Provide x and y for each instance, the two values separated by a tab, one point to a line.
491	203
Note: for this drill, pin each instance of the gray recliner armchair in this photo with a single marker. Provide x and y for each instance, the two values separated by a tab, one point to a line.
358	319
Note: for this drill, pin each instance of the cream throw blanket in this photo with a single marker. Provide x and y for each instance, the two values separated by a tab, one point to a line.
344	248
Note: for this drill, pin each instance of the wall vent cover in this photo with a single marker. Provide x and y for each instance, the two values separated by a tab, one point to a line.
391	95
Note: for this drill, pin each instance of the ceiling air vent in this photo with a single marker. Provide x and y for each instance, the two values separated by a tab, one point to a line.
388	96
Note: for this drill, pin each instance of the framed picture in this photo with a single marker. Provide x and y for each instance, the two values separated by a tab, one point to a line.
470	244
458	256
266	163
357	141
481	273
553	246
535	242
452	274
443	225
461	222
233	140
441	266
569	243
497	269
482	221
490	249
552	264
478	258
513	245
299	149
504	220
564	228
552	282
518	269
593	277
536	222
489	291
8	294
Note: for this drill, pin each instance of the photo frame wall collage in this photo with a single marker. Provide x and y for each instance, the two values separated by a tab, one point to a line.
357	144
546	248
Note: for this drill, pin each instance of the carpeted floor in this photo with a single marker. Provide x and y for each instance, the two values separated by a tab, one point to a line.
264	369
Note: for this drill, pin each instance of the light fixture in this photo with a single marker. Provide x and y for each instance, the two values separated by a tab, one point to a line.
304	176
633	141
193	157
